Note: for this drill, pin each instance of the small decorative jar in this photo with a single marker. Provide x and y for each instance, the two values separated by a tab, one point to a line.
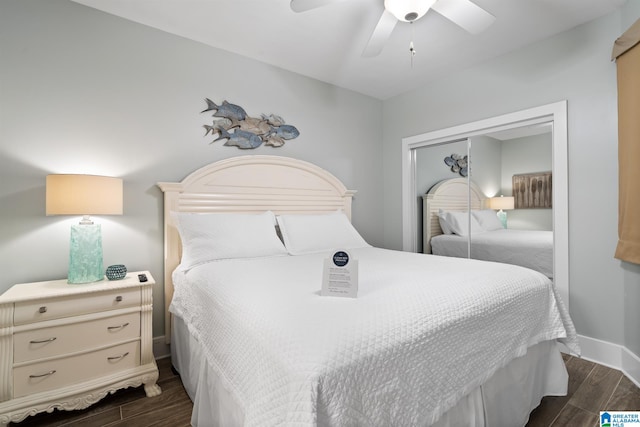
116	272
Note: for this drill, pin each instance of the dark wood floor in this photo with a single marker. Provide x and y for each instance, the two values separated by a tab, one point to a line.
592	388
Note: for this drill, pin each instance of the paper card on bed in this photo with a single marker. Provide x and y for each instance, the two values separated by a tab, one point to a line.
340	277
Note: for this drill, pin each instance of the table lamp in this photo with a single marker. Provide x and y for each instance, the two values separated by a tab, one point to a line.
501	203
84	195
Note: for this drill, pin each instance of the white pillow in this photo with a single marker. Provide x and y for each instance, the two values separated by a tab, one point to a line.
442	219
209	237
305	234
488	219
458	223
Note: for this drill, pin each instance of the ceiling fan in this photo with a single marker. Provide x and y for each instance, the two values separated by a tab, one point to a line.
464	13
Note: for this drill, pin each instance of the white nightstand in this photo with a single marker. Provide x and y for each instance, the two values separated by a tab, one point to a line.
67	346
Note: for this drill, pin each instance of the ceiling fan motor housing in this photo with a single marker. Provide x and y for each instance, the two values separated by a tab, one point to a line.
408	10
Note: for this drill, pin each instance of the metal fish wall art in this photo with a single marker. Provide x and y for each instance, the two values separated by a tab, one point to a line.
458	164
232	123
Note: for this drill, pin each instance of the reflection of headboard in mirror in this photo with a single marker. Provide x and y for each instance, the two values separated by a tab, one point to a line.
449	195
247	184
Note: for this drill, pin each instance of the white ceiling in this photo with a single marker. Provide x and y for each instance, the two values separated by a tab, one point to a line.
326	43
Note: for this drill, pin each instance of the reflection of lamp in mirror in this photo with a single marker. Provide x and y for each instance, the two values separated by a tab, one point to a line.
501	203
84	195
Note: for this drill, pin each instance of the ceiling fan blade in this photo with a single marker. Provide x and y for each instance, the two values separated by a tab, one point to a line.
380	34
465	13
304	5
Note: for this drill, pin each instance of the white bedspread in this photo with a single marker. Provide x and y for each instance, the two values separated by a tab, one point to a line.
423	332
527	248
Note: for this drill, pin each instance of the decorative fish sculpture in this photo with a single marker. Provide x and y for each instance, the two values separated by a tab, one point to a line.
245	132
227	110
285	132
217	125
240	138
274	141
251	124
273	119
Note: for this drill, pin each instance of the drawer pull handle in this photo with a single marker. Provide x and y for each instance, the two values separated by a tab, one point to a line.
42	341
119	298
42	309
122	356
43	375
124	325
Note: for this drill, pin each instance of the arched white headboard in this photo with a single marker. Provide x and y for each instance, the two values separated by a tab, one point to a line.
247	184
450	195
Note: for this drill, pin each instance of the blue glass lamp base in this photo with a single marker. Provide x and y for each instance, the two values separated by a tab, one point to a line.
502	216
85	258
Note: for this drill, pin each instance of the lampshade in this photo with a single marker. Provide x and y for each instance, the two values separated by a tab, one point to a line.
504	203
408	10
83	195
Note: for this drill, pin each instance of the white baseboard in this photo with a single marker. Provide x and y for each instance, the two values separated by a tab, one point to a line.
605	353
612	355
631	366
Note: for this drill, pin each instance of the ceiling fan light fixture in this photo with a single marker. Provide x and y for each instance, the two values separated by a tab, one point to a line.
408	10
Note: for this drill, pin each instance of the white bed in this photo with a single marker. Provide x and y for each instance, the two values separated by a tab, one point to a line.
527	248
256	344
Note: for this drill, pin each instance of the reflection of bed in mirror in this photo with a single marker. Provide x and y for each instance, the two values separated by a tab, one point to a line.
527	248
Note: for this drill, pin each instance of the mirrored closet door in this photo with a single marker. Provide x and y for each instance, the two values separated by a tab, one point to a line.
499	208
534	159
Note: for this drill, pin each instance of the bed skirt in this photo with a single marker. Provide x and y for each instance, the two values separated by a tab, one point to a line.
506	399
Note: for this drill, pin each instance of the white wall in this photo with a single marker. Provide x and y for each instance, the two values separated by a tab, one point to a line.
82	91
576	66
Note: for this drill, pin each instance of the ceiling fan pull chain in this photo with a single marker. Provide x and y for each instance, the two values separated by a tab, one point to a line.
412	50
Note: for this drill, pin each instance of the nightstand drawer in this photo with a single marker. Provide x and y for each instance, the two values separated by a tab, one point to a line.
55	308
74	337
53	374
